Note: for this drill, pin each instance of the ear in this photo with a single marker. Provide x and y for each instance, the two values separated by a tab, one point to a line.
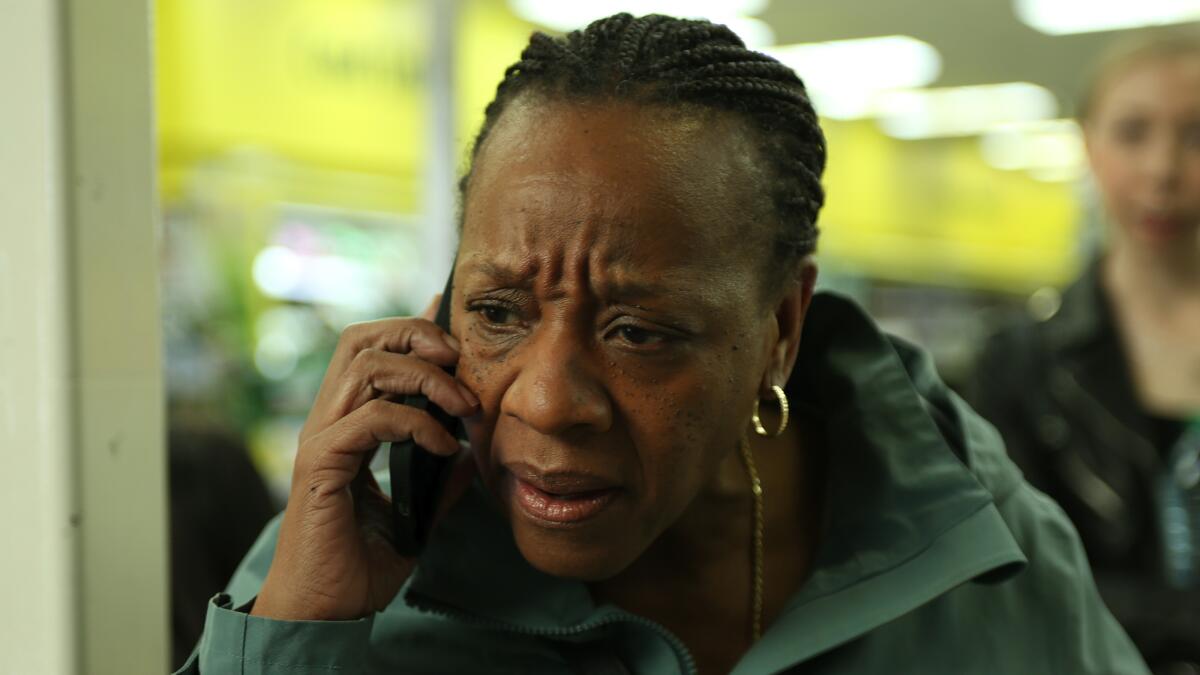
789	316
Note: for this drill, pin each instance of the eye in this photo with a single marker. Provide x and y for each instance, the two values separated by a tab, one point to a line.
640	337
1130	131
496	314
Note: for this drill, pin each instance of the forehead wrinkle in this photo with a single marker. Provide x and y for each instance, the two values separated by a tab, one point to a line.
676	143
556	172
566	265
505	273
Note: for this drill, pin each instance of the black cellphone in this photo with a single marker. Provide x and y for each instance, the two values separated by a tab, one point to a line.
418	476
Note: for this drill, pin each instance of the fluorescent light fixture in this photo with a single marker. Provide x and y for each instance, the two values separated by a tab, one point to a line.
1063	17
281	272
844	77
961	111
1050	150
567	15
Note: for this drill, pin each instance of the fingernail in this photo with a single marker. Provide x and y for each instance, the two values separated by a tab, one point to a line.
468	396
450	340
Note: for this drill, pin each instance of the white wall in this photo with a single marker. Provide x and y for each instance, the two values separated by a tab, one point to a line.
82	464
37	540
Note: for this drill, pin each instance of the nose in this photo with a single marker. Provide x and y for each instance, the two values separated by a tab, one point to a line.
1162	162
556	390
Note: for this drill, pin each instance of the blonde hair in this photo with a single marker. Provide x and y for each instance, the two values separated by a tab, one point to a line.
1147	46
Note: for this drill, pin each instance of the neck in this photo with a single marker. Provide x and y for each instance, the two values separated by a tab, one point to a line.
1161	275
702	564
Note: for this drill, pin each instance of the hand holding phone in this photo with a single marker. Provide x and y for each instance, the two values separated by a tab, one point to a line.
335	558
417	474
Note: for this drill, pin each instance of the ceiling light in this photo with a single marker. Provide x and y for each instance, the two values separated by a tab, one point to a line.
961	111
1049	150
567	15
1061	17
843	77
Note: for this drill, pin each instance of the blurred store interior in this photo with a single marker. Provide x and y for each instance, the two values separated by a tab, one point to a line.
308	153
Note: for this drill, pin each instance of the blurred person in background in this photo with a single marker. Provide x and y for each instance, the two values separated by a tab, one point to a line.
633	279
1098	395
219	504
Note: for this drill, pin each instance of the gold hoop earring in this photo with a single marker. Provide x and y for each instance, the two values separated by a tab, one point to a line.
783	412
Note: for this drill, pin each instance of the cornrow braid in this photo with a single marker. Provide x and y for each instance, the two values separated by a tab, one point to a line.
660	59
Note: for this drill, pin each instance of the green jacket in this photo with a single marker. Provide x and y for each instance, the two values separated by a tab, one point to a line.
937	558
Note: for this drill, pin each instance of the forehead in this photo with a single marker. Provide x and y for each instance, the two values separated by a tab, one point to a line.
1164	84
625	182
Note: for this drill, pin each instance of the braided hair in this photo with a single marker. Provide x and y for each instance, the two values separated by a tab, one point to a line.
661	59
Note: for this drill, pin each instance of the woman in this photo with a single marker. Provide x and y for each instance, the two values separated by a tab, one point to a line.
1093	400
633	277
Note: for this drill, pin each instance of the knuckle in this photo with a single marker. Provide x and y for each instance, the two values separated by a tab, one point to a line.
302	465
355	334
376	407
363	362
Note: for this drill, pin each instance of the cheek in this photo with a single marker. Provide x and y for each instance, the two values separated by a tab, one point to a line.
483	372
1117	182
1110	166
685	426
1191	176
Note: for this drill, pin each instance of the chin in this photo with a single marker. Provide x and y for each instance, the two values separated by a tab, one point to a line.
571	556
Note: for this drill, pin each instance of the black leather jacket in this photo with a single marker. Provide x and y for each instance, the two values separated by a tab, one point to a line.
1060	392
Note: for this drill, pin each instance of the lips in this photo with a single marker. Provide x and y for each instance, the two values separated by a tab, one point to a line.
1163	226
560	497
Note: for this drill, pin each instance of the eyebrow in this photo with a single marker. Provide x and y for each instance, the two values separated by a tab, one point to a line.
634	290
501	274
610	290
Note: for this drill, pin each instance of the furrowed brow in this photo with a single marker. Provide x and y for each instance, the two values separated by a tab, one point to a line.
632	291
500	274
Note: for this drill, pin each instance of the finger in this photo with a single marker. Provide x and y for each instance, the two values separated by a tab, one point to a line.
430	312
406	335
329	461
376	371
400	335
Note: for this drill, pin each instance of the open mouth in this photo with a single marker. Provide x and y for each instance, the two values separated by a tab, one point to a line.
562	508
562	504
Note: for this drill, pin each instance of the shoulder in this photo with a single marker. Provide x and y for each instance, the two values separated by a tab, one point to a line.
1047	617
972	438
1052	607
1052	322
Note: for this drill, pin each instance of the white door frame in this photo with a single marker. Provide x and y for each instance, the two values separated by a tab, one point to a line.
83	521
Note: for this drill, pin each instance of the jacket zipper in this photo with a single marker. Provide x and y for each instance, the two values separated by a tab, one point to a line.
614	617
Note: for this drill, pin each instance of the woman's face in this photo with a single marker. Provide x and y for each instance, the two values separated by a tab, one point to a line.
607	301
1143	137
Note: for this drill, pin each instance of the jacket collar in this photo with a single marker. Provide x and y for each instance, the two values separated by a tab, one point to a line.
906	520
472	568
